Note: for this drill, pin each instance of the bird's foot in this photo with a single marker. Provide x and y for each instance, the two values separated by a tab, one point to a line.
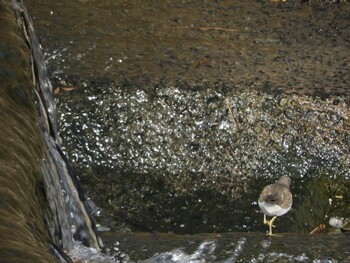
268	222
274	234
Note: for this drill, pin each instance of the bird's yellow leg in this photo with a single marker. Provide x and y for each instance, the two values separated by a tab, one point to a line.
266	222
270	225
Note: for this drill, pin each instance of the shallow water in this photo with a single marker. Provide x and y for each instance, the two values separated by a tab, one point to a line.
195	160
227	247
175	115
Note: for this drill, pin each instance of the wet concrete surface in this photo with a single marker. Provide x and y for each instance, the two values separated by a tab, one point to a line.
277	47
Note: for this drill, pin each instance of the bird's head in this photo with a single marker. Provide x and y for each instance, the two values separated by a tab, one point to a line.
284	180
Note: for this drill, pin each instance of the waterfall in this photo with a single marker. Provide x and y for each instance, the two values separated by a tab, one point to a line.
42	207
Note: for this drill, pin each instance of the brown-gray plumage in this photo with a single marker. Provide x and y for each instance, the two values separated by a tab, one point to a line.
276	200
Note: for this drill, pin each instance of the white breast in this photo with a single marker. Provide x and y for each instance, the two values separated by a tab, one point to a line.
272	209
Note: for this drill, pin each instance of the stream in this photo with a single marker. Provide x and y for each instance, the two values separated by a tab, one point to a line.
175	115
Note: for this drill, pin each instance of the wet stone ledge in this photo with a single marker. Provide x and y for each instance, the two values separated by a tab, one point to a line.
194	158
275	46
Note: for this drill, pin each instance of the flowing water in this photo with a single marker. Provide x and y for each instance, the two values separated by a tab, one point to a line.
41	194
175	115
228	247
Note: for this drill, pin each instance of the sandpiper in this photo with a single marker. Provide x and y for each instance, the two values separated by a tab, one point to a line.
275	200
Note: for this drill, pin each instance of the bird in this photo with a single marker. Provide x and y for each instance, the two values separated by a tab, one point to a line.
276	200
